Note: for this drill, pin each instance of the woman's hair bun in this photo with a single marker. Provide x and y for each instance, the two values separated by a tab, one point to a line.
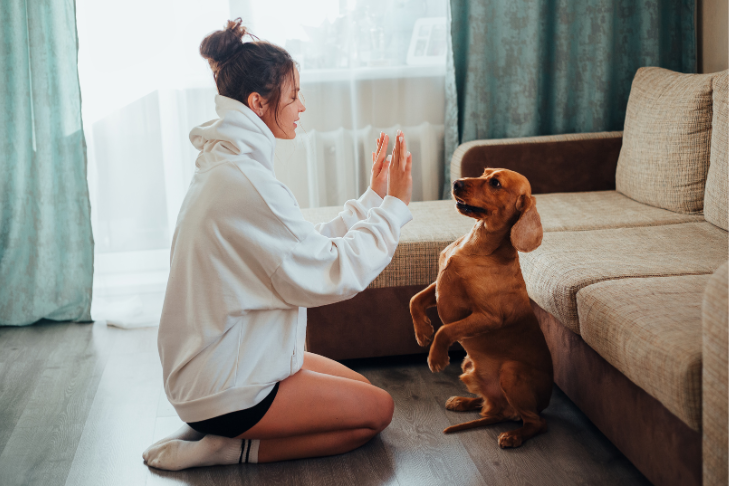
222	44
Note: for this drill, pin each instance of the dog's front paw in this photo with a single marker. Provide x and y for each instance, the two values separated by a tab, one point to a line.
510	440
424	338
423	331
438	360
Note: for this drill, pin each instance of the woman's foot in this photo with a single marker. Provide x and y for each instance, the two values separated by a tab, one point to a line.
211	450
185	433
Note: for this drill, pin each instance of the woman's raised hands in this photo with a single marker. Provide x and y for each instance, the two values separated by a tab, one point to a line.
380	164
391	176
400	182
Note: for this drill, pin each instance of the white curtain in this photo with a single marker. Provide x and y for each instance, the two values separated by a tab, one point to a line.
366	66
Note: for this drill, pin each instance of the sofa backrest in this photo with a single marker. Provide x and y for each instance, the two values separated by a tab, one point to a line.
717	193
667	139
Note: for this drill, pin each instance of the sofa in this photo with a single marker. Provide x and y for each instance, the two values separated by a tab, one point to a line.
629	284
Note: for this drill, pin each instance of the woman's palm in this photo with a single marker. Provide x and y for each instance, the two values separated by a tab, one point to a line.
380	165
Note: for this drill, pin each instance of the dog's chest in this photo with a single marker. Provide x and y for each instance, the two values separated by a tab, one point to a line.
465	279
449	262
451	271
456	258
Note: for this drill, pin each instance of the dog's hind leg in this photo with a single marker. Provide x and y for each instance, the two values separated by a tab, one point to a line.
492	412
521	393
487	420
533	425
463	404
469	378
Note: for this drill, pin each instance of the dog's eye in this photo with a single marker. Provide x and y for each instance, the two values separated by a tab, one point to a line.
495	183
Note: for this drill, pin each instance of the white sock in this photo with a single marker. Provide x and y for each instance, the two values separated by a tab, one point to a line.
255	444
211	450
249	451
183	433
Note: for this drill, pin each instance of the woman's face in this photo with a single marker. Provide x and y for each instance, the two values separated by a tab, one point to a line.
290	106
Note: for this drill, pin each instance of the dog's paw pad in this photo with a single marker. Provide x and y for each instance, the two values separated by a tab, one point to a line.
507	440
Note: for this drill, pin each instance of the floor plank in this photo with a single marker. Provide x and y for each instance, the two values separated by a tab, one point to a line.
571	442
79	404
121	422
23	352
420	455
44	440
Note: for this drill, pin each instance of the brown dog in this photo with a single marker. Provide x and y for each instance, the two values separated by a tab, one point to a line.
483	303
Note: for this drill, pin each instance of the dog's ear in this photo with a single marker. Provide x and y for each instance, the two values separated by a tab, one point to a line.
526	234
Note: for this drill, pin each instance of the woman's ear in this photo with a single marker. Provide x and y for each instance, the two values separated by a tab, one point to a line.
256	103
526	234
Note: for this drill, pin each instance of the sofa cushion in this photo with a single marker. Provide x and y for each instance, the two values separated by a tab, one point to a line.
569	261
437	223
717	194
666	140
579	211
650	330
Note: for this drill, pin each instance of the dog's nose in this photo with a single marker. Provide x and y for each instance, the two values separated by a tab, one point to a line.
458	185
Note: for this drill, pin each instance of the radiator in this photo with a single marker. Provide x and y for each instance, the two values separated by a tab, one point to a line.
328	168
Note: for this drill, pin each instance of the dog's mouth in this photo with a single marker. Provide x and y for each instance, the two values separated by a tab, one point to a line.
465	208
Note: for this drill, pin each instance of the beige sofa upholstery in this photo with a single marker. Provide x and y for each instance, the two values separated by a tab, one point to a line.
714	382
436	224
717	181
667	139
598	210
569	261
650	330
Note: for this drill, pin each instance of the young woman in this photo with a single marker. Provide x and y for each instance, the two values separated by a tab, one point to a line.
245	266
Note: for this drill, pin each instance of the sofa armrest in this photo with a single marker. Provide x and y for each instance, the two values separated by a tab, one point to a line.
714	378
556	163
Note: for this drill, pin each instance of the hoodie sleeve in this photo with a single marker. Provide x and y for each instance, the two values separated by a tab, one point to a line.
321	270
304	267
354	210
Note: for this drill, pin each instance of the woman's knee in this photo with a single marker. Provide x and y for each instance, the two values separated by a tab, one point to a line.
383	410
359	437
362	378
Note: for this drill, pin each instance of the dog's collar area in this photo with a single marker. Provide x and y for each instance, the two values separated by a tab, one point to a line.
469	209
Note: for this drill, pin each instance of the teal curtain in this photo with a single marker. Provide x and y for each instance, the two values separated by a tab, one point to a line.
46	245
522	68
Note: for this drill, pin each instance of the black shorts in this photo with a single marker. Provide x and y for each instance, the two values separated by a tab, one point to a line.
235	423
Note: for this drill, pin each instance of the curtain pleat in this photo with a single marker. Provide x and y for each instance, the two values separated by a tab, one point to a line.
46	244
542	67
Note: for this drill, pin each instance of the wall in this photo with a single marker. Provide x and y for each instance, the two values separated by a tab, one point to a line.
713	42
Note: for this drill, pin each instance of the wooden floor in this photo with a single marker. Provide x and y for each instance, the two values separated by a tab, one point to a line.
80	402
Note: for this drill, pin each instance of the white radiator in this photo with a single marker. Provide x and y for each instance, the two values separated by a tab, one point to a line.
328	168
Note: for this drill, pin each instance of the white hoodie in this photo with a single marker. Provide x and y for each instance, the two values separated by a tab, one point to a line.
245	265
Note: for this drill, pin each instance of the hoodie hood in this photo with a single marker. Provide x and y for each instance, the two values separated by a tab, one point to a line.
237	135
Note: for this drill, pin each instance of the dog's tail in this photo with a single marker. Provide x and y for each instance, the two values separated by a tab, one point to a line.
472	424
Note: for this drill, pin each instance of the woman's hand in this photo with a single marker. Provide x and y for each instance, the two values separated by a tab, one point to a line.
400	182
380	166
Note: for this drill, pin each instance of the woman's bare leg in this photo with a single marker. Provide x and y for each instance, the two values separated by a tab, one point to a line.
315	413
310	403
283	440
324	365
